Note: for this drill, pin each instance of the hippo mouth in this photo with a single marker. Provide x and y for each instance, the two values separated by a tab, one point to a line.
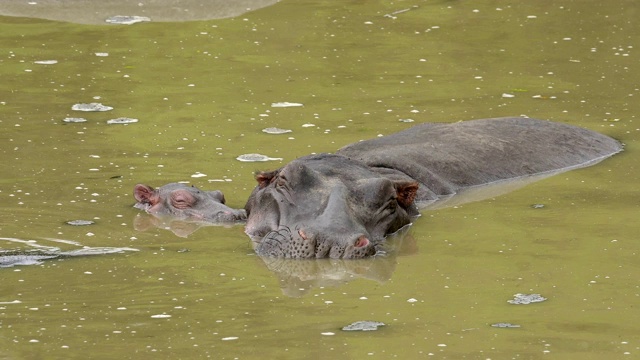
298	244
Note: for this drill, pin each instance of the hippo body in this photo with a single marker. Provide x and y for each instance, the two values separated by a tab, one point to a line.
343	205
179	201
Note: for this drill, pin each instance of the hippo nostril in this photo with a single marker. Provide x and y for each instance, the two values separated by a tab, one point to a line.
302	234
362	241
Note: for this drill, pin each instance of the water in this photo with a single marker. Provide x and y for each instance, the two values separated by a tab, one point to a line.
203	91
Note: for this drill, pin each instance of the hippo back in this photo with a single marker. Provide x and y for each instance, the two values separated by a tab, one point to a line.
448	157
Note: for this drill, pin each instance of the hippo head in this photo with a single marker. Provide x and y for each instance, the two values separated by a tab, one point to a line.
184	202
326	206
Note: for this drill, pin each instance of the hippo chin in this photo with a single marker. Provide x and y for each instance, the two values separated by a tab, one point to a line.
179	201
344	205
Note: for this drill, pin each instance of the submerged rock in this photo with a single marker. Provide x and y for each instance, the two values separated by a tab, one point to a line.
285	104
505	325
363	326
122	120
275	131
91	107
525	299
126	19
80	222
74	120
46	62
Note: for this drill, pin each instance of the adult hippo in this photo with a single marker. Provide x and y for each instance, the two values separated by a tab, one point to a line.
179	201
343	205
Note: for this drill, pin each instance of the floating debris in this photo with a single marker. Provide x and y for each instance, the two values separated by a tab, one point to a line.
126	19
46	62
308	125
160	316
255	158
505	325
122	120
285	104
275	131
505	95
537	206
102	54
74	120
80	222
91	107
198	174
407	120
525	299
363	326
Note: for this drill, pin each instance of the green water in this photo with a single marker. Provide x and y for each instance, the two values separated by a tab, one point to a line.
202	92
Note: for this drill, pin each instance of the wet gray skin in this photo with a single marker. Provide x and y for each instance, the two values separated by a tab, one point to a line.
326	206
343	205
183	202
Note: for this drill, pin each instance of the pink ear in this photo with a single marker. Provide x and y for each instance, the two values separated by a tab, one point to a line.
406	192
145	194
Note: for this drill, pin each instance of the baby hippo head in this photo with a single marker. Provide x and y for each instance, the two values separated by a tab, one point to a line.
183	202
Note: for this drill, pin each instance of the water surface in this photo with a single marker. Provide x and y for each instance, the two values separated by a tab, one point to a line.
202	92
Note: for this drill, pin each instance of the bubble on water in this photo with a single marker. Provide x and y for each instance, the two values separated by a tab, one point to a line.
275	131
505	95
230	338
406	120
198	174
46	62
285	104
122	120
102	54
308	125
255	158
126	19
91	107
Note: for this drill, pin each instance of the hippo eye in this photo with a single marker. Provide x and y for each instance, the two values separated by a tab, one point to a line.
392	205
182	200
281	181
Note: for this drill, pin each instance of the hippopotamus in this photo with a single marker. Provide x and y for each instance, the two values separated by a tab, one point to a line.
180	201
343	205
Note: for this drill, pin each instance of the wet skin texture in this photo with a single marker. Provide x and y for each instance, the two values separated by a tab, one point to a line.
184	202
344	205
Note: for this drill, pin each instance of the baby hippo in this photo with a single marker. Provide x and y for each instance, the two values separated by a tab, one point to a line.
179	201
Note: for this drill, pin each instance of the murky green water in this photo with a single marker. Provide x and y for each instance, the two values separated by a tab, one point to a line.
202	92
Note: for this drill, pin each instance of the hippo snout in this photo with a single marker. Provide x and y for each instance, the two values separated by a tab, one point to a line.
304	244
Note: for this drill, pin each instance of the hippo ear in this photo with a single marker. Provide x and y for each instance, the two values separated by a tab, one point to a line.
406	192
145	194
265	178
218	196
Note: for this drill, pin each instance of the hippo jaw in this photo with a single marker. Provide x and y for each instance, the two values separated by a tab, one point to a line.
326	206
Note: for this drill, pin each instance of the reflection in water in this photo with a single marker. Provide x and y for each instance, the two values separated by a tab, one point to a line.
181	228
298	276
34	253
